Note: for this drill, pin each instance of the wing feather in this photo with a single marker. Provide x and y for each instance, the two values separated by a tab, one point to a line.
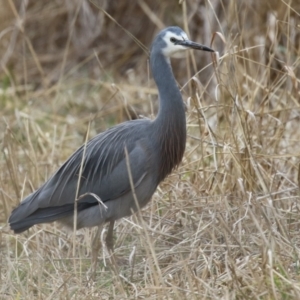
104	171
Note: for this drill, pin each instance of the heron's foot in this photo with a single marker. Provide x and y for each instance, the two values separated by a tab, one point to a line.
118	260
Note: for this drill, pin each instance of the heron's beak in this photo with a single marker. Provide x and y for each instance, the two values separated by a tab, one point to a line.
193	45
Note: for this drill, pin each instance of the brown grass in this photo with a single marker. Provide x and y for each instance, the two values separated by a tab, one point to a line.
225	225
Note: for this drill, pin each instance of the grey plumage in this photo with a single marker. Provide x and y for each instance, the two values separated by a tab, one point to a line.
154	149
104	174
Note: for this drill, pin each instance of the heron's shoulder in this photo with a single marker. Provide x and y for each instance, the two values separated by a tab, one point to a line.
132	124
130	130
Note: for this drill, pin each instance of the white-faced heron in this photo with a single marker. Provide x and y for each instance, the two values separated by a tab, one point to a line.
121	164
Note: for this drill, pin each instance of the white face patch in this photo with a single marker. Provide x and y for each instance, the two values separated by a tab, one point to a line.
171	49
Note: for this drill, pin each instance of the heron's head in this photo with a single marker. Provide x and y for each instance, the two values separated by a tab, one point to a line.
173	40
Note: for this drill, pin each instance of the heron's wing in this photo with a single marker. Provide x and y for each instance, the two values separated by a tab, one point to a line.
105	171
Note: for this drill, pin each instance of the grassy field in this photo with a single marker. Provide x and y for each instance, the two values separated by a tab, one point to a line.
225	224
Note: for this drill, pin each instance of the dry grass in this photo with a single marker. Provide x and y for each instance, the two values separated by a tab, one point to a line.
225	225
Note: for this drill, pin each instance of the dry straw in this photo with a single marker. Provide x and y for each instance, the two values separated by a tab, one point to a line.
225	225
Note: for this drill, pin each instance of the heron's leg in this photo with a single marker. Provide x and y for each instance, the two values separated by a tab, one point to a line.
109	241
96	243
95	251
110	238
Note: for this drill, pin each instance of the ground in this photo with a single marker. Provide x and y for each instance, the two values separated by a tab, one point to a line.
225	224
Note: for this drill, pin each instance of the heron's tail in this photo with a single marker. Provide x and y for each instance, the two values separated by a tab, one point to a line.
41	215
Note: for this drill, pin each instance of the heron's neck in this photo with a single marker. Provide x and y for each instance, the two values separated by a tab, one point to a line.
170	100
170	123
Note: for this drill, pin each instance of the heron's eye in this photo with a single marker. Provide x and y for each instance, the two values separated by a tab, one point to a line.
173	40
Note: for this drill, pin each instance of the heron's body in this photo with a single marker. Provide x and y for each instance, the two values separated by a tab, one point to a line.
154	149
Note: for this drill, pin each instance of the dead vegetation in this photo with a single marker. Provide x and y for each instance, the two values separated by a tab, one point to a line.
225	225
